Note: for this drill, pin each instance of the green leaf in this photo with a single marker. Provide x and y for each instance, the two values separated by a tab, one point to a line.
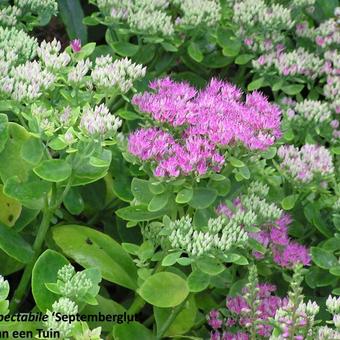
54	170
198	281
233	49
164	290
124	49
184	196
195	52
277	85
131	248
336	291
255	84
87	173
288	202
335	271
244	172
45	270
156	188
230	44
243	59
132	331
158	202
26	217
32	151
105	306
3	131
127	115
322	258
5	105
236	162
169	47
29	193
14	245
141	191
335	150
57	144
317	277
86	51
72	14
210	266
289	135
312	213
10	209
91	248
269	153
202	198
216	60
292	90
139	213
74	202
202	216
11	162
171	259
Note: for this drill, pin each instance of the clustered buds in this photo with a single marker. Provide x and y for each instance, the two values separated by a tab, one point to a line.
198	12
154	17
38	7
16	46
121	73
99	122
297	62
311	110
26	81
9	15
49	53
64	306
305	164
76	74
4	291
262	26
271	223
73	285
220	235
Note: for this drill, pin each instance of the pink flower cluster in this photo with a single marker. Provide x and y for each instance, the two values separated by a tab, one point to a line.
203	123
239	314
286	253
304	164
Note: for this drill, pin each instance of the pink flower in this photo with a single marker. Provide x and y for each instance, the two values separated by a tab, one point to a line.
248	41
334	124
291	255
268	44
76	45
236	304
301	27
320	41
261	60
203	122
235	336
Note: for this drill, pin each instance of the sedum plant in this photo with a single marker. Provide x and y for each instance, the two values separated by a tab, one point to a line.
177	175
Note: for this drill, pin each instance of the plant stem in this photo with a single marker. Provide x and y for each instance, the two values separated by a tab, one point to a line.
22	288
175	311
136	306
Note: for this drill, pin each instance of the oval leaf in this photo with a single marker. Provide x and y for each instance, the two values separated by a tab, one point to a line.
164	290
53	170
45	270
93	249
14	245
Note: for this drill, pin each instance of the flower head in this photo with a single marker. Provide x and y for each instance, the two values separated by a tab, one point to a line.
76	45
